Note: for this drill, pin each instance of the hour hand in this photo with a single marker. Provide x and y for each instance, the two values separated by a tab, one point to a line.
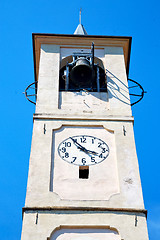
93	152
83	148
77	144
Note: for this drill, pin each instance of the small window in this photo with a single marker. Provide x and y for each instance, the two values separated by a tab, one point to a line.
83	172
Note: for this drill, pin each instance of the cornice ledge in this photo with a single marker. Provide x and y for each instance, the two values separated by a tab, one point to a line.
49	116
100	209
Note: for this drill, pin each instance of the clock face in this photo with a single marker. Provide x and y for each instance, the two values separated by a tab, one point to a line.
83	150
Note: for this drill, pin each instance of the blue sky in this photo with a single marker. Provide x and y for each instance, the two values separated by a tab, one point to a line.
18	20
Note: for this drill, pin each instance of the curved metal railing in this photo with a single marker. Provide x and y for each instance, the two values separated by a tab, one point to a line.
31	92
31	97
140	91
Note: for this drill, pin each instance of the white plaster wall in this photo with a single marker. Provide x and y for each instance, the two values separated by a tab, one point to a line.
85	234
48	80
54	114
117	101
39	180
103	179
117	84
93	102
48	222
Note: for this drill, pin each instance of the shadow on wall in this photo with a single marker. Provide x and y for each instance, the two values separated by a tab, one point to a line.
115	91
118	91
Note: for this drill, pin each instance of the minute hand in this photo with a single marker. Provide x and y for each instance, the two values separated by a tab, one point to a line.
83	148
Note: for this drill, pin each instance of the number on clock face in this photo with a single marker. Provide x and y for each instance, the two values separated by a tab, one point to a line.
83	150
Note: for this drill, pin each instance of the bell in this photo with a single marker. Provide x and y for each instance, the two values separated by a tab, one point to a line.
82	72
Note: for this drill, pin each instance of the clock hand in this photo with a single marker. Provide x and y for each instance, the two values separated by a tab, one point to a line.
83	148
93	152
80	146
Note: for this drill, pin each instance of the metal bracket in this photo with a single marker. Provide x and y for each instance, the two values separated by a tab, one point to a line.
36	219
136	220
124	131
44	128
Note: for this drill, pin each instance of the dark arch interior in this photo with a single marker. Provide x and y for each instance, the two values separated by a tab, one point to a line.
78	85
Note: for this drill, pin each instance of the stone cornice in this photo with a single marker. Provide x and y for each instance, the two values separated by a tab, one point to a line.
84	117
88	209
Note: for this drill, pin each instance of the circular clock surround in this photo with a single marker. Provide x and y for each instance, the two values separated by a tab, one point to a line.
83	150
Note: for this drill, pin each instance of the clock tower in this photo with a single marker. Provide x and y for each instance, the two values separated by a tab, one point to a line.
83	180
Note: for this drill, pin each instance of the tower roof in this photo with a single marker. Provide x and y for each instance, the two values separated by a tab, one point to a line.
80	30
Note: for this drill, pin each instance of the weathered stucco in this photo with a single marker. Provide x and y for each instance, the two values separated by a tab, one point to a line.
113	184
49	222
40	178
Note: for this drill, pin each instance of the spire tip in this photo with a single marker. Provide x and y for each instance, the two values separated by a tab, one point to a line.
80	11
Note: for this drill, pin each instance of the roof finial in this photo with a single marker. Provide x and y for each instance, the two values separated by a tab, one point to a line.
80	29
80	15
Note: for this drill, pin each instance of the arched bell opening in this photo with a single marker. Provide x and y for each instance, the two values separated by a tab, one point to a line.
82	72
